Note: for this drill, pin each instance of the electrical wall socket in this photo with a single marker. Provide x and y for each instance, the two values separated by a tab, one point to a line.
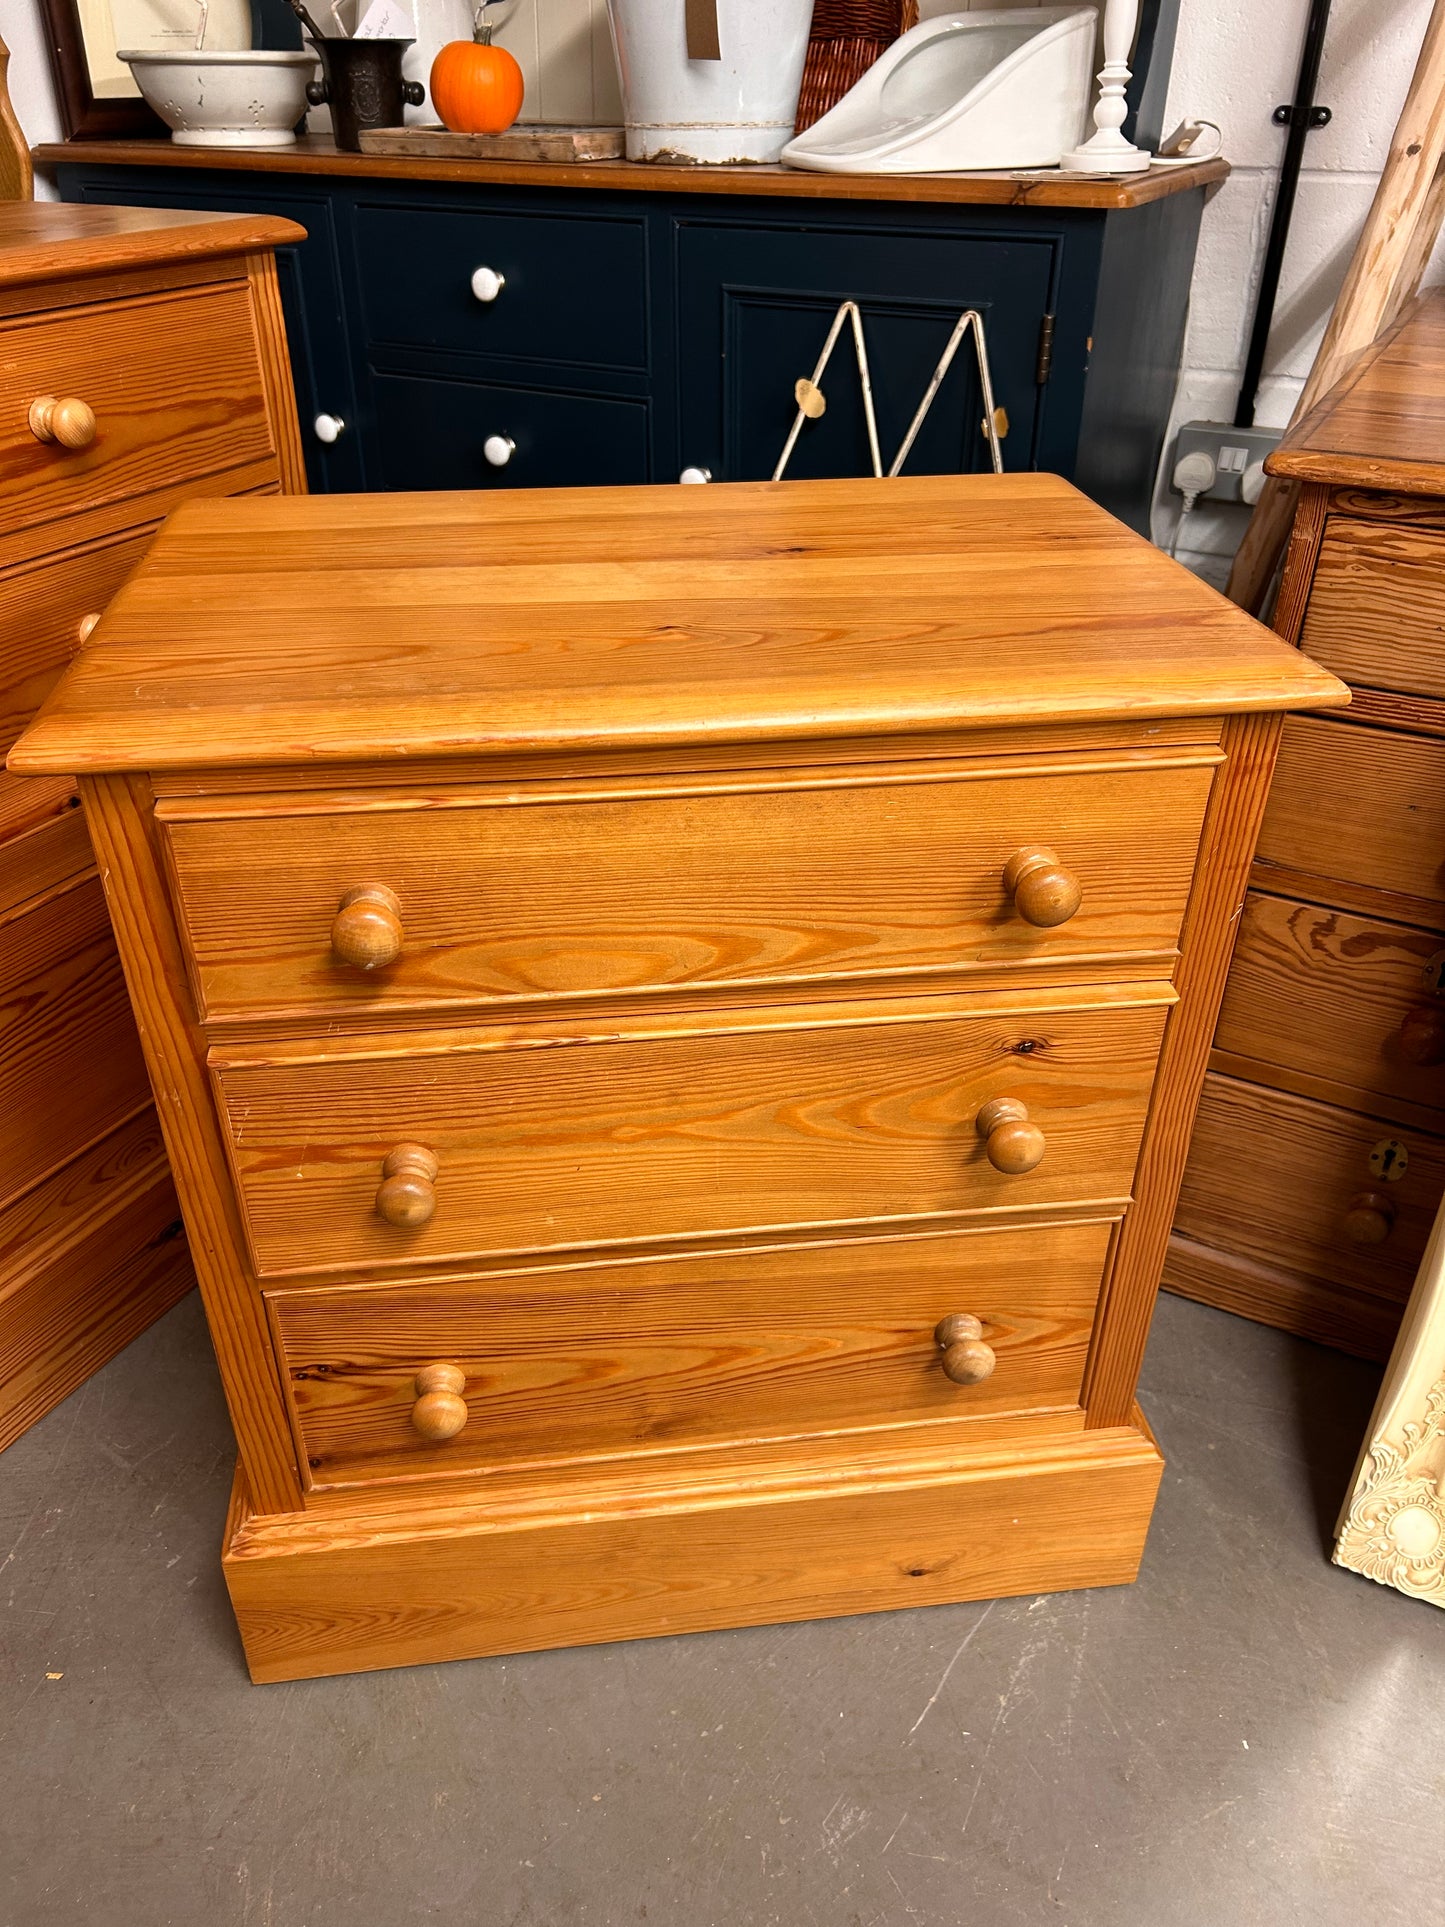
1232	451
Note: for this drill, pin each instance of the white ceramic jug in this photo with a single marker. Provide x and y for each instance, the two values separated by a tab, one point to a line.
437	22
738	108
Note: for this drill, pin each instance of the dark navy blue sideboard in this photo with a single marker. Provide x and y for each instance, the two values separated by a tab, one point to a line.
647	324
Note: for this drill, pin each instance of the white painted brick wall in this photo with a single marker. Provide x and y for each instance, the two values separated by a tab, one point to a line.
1235	62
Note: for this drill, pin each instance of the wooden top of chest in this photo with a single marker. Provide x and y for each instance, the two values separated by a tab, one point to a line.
1383	426
48	241
361	628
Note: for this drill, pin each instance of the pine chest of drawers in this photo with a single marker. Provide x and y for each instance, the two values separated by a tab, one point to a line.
677	1015
1319	1158
142	362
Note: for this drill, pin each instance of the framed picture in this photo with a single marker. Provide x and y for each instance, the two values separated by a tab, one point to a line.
97	93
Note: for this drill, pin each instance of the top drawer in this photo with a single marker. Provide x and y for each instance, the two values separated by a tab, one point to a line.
1374	608
557	288
173	382
551	891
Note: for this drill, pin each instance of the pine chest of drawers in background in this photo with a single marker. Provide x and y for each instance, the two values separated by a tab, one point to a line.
142	361
1319	1157
678	1014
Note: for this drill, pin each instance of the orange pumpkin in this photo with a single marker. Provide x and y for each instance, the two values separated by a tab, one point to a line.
476	88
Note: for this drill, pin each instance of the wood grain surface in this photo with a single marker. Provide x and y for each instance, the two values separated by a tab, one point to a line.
1230	827
48	241
321	1595
37	861
1310	1307
1383	426
1366	806
281	790
70	1065
1317	1002
378	627
175	384
88	1259
119	815
663	1356
41	605
528	142
781	1117
316	154
1377	606
1271	1177
542	895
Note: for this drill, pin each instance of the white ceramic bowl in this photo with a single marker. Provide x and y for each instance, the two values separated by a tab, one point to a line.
251	99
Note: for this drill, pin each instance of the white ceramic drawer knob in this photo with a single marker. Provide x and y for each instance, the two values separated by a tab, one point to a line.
328	428
487	284
499	450
695	475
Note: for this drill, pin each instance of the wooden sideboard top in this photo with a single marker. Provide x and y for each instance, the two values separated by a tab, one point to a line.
44	240
381	627
1383	425
316	154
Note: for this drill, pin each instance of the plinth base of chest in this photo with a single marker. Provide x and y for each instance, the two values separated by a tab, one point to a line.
408	1582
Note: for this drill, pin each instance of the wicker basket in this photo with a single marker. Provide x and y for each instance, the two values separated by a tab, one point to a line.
846	38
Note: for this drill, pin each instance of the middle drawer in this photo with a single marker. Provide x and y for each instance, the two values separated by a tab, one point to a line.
544	894
433	1148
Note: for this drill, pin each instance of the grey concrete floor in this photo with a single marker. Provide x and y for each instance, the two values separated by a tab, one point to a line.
1246	1736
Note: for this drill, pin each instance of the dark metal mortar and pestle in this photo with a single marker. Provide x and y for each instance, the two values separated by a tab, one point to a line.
361	82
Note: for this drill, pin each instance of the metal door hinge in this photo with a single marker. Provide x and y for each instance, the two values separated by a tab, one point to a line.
1044	366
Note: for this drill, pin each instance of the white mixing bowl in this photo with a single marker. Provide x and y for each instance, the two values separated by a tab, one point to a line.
251	99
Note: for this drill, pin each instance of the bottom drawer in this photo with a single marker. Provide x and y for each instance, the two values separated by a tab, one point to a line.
659	1354
1288	1182
434	434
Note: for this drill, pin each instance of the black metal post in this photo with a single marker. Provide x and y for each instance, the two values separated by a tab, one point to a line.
1299	117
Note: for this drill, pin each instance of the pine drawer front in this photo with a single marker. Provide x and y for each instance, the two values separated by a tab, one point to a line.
666	1355
1374	607
43	608
1288	1182
175	386
40	859
70	1061
549	1136
560	289
1350	1004
1365	806
545	896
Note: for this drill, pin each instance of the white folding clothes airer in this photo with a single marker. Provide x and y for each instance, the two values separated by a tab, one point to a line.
812	404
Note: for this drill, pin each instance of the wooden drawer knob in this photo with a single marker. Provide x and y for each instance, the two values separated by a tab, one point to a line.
407	1194
63	419
366	931
1014	1145
1421	1036
440	1411
966	1359
1044	892
1370	1218
85	625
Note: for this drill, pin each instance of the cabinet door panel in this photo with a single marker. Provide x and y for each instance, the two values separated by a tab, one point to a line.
759	302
